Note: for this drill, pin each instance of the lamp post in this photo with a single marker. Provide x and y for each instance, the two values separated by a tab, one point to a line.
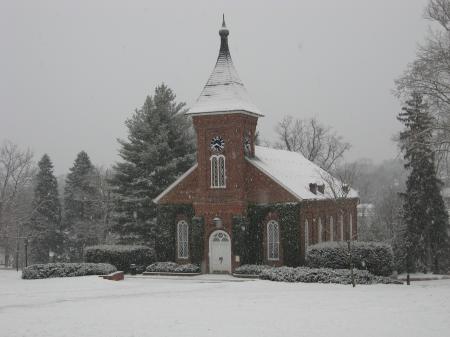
217	222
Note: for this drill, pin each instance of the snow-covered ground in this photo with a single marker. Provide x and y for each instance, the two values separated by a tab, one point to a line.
212	306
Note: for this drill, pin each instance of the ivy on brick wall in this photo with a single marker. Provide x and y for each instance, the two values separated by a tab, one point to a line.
165	234
197	239
288	218
242	245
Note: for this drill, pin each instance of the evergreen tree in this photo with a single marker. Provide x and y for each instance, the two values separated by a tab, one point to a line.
160	147
46	215
82	211
425	233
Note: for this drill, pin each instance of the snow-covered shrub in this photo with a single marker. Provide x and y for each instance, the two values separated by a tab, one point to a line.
251	269
121	256
322	275
38	271
375	257
172	267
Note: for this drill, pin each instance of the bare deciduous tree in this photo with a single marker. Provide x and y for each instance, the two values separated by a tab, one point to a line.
339	191
429	76
16	174
312	139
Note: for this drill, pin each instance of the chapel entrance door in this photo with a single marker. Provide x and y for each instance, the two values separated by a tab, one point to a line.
219	252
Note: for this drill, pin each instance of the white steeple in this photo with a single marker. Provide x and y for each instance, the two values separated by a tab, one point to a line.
224	92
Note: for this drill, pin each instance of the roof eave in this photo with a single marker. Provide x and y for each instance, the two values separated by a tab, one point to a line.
175	183
223	112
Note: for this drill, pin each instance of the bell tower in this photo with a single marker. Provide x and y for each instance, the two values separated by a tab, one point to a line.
225	122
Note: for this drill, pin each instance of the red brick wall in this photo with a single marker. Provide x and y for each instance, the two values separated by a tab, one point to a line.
324	209
185	192
244	184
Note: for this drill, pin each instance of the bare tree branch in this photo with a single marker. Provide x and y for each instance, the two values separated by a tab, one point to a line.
312	139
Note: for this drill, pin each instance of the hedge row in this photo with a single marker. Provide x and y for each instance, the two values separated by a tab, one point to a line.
251	269
121	256
323	275
172	267
39	271
377	258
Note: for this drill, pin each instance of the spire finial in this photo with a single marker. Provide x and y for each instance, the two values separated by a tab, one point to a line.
224	30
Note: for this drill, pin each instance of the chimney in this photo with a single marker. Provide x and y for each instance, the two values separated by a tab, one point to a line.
313	188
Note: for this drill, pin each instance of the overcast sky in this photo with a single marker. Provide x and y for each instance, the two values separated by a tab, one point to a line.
71	72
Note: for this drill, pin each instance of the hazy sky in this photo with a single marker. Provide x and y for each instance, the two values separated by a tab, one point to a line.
71	72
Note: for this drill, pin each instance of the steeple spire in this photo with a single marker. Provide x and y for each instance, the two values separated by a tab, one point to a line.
224	92
223	30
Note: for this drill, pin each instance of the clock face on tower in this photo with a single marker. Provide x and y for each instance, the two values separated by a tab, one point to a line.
217	143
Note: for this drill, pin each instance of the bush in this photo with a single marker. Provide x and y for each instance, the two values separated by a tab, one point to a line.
322	275
121	256
377	258
38	271
251	269
172	267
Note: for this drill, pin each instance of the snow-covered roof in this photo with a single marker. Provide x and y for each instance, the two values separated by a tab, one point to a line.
294	172
224	91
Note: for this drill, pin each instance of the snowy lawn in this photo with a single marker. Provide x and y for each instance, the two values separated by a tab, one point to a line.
212	306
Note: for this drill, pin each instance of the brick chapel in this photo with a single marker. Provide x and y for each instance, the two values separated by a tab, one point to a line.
232	172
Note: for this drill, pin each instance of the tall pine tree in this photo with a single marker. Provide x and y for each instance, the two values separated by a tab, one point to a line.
45	219
160	147
82	209
424	214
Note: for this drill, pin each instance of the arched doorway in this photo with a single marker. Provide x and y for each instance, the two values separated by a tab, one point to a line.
219	252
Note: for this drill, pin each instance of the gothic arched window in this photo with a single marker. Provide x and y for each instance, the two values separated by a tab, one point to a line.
306	234
350	227
217	171
319	231
331	228
183	239
273	240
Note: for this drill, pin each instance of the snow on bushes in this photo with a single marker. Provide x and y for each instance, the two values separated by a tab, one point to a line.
251	269
121	256
38	271
172	267
322	275
377	258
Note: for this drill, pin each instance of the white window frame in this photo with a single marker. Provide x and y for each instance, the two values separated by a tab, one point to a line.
350	227
218	171
273	241
182	239
319	234
306	234
331	228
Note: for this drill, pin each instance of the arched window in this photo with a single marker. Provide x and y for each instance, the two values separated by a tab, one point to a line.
350	227
341	226
183	239
331	228
217	171
319	231
273	240
306	234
